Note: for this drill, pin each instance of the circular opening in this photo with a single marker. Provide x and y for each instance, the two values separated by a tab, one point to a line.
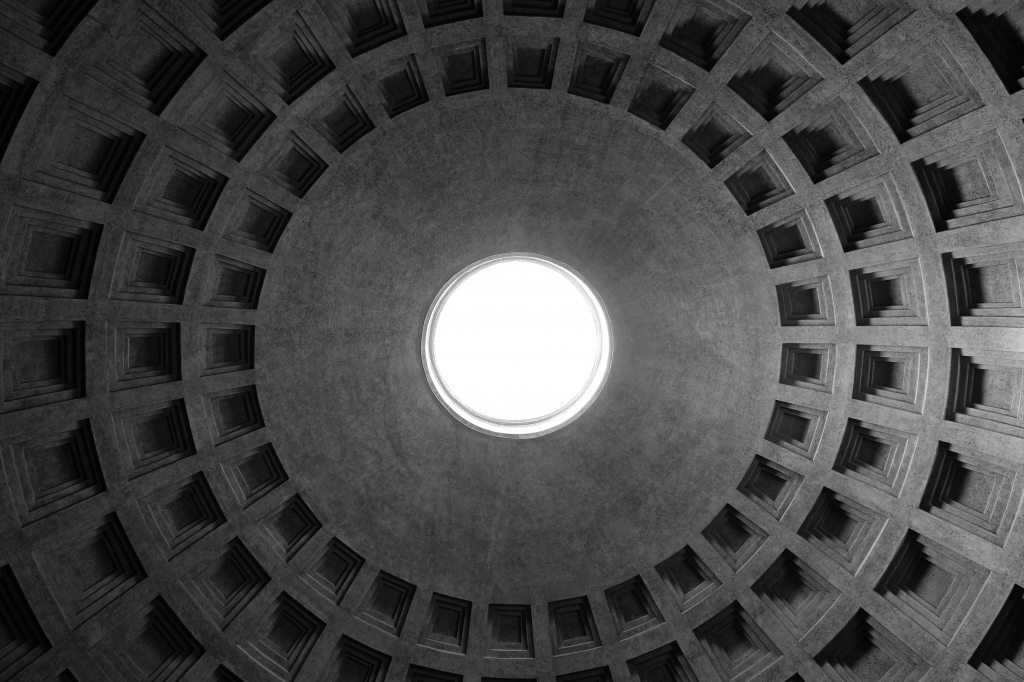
516	345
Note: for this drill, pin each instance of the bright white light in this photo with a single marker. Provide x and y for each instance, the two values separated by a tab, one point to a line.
516	345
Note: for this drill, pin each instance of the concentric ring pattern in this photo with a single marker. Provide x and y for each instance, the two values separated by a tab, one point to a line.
829	191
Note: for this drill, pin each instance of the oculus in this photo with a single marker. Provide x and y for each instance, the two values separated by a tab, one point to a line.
517	345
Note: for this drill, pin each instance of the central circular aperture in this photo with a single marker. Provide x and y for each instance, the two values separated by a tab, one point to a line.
516	345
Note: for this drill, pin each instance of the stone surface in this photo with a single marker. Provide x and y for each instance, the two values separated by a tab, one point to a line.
222	225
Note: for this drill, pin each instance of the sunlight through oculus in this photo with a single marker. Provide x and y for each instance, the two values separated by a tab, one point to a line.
516	345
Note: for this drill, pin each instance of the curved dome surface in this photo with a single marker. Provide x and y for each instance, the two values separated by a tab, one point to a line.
341	341
224	225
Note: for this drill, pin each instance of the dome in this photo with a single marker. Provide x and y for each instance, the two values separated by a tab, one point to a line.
225	225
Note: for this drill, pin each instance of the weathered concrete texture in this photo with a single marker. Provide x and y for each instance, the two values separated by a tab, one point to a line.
223	225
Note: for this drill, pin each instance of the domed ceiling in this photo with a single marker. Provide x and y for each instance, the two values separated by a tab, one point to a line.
224	222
